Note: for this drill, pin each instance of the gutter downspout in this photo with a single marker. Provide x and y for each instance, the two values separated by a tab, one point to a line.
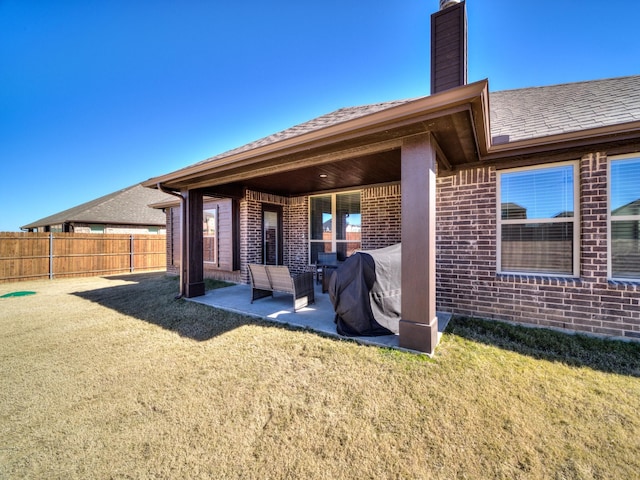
182	227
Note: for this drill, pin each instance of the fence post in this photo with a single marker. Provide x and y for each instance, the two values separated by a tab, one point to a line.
131	242
50	255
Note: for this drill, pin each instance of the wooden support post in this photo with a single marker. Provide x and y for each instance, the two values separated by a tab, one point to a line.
419	323
192	258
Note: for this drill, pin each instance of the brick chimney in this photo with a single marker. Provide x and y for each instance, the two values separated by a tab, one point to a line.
449	46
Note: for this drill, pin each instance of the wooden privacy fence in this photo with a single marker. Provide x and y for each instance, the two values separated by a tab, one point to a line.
29	256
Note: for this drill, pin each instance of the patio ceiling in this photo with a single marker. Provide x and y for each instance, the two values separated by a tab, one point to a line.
364	170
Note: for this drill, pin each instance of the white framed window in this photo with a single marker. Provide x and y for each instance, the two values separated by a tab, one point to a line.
209	235
624	217
538	227
334	224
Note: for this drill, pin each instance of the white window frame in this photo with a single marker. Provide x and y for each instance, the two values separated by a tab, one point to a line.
575	219
215	235
334	241
617	218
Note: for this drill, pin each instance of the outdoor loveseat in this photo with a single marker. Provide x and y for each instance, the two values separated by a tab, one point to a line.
266	279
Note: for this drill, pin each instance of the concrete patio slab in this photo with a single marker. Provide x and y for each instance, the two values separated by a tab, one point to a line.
318	317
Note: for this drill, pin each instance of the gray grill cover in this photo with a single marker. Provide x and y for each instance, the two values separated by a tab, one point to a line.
365	293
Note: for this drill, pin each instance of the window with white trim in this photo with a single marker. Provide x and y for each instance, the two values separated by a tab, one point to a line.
538	231
334	224
624	217
209	235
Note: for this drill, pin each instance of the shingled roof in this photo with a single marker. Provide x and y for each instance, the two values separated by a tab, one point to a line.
323	121
542	111
129	206
520	114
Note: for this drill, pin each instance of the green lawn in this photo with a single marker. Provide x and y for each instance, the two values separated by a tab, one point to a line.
115	378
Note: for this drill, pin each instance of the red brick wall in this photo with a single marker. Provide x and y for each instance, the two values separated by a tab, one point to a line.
466	250
296	234
294	213
250	234
381	216
465	240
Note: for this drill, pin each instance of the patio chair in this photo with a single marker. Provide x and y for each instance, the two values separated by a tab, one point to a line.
266	279
260	283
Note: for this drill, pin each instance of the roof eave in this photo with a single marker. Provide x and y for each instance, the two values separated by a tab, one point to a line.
568	140
471	95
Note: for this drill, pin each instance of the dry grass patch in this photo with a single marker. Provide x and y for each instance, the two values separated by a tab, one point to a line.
114	378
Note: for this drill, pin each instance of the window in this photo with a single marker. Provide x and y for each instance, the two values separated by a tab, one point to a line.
624	218
334	224
96	228
209	237
537	224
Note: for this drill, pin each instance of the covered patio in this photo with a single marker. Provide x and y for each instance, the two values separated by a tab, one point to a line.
399	143
317	317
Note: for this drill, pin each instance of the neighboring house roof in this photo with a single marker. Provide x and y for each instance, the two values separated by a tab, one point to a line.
631	208
129	206
520	114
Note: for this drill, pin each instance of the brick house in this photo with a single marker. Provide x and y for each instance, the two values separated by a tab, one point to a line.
519	205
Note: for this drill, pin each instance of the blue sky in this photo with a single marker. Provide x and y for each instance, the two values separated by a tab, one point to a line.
98	96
